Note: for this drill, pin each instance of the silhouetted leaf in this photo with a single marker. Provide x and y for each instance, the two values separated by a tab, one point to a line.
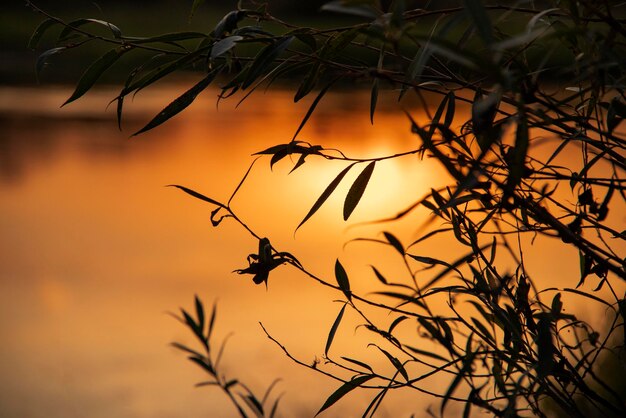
185	349
196	194
275	407
396	322
264	59
557	305
450	111
380	277
203	364
358	363
396	363
93	73
38	33
356	191
163	70
211	321
224	45
70	28
42	59
343	390
485	332
333	330
342	279
373	99
395	242
254	404
425	353
313	106
199	312
227	24
169	38
325	194
180	104
308	82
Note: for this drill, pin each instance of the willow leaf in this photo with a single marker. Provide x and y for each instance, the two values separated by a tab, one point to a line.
325	194
356	191
224	45
180	104
342	279
94	72
344	389
333	330
72	26
39	32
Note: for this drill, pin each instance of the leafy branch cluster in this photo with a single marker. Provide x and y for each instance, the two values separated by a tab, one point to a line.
530	75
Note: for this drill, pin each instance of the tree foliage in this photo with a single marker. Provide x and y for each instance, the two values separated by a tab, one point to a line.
530	74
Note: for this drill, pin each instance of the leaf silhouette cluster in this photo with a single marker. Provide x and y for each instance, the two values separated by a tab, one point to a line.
530	75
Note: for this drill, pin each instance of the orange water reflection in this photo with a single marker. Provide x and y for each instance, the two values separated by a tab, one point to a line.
94	250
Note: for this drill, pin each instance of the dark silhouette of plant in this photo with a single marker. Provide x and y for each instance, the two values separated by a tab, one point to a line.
529	74
240	395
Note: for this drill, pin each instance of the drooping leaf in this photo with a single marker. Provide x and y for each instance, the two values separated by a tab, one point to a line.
356	191
342	279
333	330
275	407
340	41
253	403
199	312
196	195
396	363
70	28
181	103
450	111
314	105
93	73
374	92
264	59
373	99
344	389
211	321
425	353
483	329
325	194
395	242
358	363
228	23
379	276
308	82
164	70
169	38
224	45
395	323
43	58
38	33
